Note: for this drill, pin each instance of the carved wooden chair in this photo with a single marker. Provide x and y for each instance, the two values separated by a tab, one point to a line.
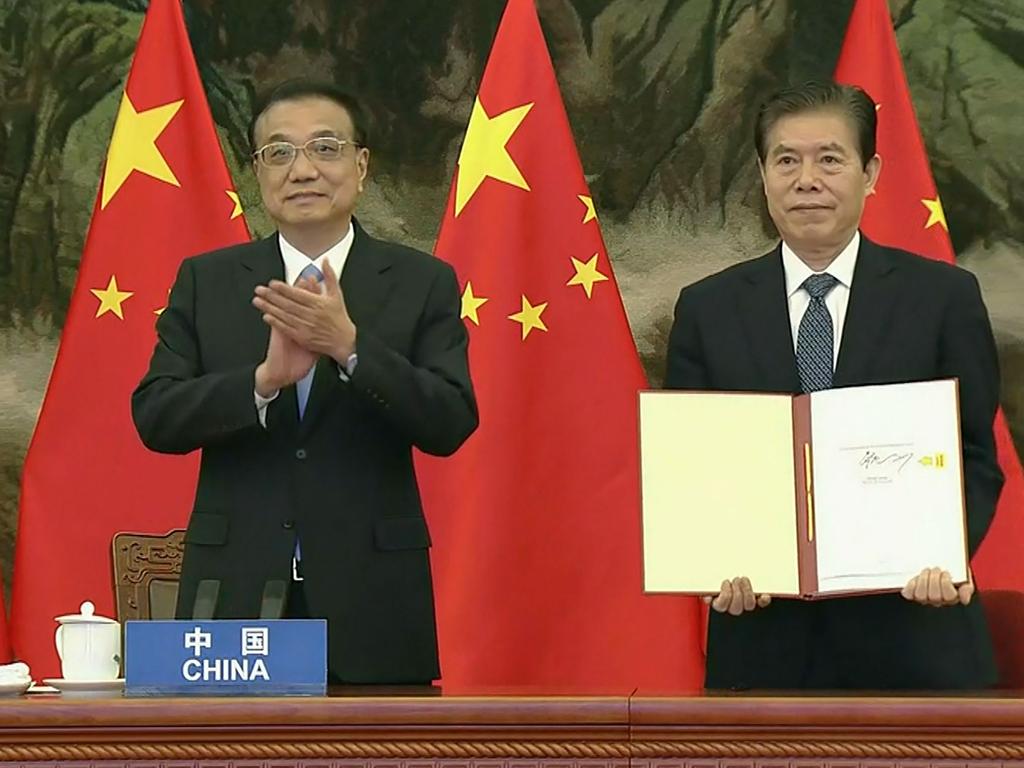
147	568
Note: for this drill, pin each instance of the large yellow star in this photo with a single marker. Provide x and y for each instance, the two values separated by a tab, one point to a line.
935	213
484	154
586	274
133	146
529	317
111	298
590	214
471	303
237	210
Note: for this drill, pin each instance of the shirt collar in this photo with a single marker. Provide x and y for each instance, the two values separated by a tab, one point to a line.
295	260
841	267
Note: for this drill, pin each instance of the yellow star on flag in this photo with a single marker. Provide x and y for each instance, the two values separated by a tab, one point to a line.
586	274
529	317
484	154
133	146
111	298
238	203
935	213
591	214
160	311
471	303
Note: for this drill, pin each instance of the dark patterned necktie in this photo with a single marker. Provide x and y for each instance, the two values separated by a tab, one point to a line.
304	384
815	338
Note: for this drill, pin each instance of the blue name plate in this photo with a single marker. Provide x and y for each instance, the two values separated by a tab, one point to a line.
226	657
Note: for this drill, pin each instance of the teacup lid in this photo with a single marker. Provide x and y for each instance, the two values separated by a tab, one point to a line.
87	616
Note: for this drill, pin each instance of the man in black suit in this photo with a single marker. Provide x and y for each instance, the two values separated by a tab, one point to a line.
828	307
307	398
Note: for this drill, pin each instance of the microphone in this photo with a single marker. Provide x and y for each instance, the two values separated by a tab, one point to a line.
206	599
275	593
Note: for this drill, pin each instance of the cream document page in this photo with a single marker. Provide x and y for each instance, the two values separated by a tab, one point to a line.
717	475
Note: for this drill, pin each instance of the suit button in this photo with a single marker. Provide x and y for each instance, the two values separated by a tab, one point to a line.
288	524
300	454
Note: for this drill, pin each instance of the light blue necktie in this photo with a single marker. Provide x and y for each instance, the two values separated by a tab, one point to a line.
302	387
304	384
815	337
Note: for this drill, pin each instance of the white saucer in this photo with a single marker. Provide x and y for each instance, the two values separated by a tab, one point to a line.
85	687
40	688
14	687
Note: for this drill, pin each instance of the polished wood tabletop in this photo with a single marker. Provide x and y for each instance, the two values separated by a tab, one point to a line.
435	727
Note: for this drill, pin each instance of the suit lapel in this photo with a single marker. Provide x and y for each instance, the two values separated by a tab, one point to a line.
764	311
364	281
874	295
260	263
364	285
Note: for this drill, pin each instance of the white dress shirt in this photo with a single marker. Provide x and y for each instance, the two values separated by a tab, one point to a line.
294	262
841	269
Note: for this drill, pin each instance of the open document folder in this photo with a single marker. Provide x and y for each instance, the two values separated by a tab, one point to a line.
843	490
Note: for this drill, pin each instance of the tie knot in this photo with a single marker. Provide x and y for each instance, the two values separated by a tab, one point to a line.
819	285
311	271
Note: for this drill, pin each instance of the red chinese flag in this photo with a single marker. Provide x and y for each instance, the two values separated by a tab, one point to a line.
905	212
536	520
165	193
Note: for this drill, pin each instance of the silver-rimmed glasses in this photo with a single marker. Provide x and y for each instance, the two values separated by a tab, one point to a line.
319	149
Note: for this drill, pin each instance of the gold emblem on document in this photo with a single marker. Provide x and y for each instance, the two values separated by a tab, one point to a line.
935	460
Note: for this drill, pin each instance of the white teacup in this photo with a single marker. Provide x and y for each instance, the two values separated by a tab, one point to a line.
89	646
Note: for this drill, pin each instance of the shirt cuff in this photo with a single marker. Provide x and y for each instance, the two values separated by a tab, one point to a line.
261	405
345	371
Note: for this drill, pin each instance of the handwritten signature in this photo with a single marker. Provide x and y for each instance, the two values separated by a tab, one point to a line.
898	459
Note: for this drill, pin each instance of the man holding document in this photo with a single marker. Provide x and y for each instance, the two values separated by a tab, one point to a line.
827	309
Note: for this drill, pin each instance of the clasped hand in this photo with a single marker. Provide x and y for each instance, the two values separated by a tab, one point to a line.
306	320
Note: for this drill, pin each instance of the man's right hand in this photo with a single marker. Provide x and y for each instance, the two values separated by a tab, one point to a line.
286	362
736	597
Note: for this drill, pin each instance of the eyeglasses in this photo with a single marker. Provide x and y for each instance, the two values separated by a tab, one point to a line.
321	149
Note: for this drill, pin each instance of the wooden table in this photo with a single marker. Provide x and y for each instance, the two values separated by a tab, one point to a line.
405	729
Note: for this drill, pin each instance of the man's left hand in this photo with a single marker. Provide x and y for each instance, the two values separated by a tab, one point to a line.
934	586
316	320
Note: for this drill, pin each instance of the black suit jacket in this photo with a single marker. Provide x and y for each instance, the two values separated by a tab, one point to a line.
341	479
908	319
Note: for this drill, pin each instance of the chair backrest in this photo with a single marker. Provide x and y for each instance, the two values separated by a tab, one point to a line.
147	569
1004	610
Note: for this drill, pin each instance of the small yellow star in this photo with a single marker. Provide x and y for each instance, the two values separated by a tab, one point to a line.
160	311
111	298
133	146
935	213
484	153
529	317
238	203
471	303
586	274
591	214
